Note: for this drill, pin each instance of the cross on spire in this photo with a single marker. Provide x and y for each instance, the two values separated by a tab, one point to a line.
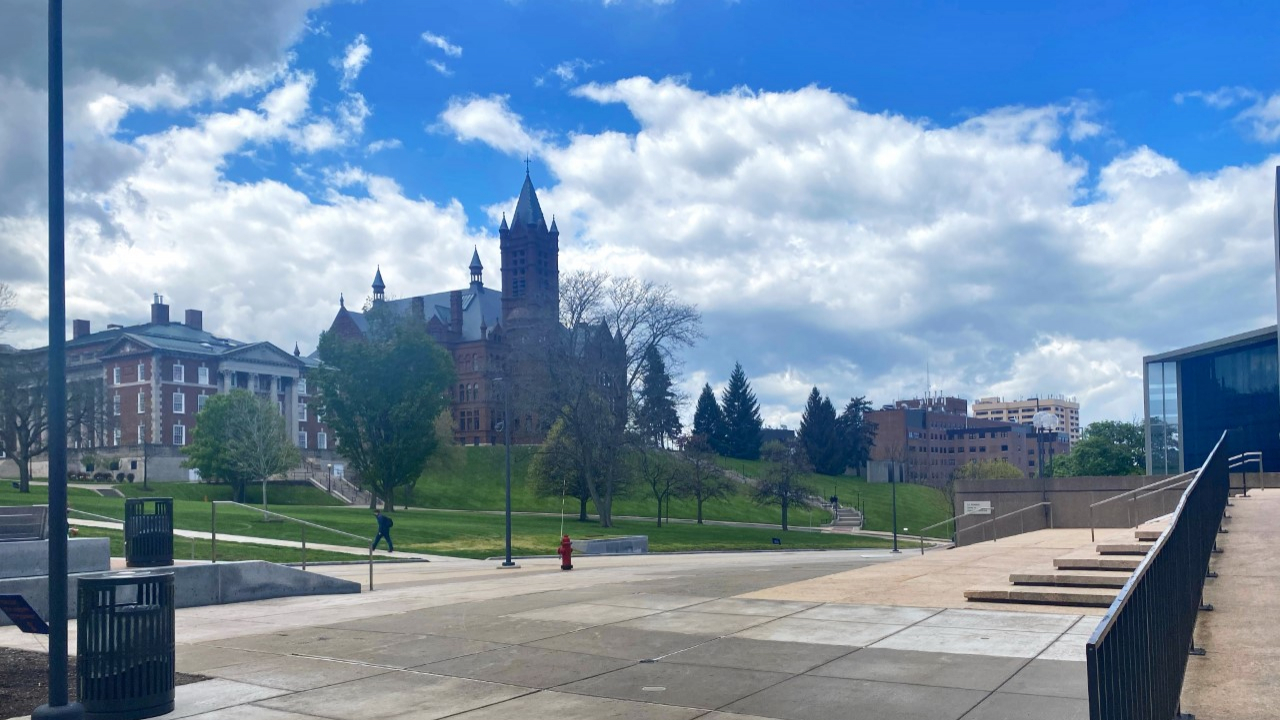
526	163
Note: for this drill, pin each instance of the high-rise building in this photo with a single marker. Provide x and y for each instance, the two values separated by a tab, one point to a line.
1021	411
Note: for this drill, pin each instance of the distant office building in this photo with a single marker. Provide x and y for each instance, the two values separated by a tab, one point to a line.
1021	411
931	437
1195	393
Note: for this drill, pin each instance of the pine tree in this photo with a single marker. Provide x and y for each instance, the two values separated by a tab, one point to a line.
708	421
657	418
742	421
856	434
818	436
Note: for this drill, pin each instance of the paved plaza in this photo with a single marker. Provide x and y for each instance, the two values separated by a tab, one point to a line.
639	637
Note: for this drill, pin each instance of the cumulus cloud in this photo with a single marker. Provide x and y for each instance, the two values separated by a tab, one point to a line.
1259	118
353	60
442	43
439	67
491	121
567	71
378	146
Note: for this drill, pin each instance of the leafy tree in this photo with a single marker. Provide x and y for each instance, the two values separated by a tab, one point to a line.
857	434
819	437
656	417
1108	447
240	438
708	421
742	421
382	395
702	479
555	470
997	469
783	482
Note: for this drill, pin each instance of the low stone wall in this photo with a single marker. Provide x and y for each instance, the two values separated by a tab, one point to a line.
24	559
197	585
628	545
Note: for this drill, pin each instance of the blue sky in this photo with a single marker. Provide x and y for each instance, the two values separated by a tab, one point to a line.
1025	197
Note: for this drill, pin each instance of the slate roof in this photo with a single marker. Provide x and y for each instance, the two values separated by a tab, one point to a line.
483	305
528	211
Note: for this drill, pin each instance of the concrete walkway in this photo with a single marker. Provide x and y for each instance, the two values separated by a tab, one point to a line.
629	638
1239	678
254	540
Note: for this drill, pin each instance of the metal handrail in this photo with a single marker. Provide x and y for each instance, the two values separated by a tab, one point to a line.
1148	486
953	519
304	523
1163	489
1244	458
995	533
96	516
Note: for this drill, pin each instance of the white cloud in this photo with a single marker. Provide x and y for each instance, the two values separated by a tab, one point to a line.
567	71
439	67
353	60
378	146
443	44
1263	119
491	121
1260	117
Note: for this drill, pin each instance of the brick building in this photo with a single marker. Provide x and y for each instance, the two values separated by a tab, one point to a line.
933	436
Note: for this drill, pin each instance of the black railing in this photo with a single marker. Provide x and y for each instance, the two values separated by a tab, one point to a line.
1137	656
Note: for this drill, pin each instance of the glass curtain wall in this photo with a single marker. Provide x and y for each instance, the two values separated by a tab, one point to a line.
1162	423
1233	390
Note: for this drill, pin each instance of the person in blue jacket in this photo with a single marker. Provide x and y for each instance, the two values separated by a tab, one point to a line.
384	531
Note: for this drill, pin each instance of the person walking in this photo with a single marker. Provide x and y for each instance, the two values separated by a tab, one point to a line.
384	531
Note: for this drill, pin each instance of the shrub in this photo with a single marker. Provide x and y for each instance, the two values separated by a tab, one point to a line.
129	477
119	477
102	476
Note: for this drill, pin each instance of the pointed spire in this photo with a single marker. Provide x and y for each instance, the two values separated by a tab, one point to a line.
554	230
504	222
342	301
297	352
528	211
475	259
477	271
379	287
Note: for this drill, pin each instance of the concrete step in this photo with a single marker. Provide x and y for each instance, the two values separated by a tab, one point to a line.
1124	549
1126	564
1072	596
1147	535
1071	578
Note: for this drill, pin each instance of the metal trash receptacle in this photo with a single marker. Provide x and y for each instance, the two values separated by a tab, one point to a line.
148	536
125	644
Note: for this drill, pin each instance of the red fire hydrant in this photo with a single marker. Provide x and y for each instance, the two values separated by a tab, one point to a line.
566	553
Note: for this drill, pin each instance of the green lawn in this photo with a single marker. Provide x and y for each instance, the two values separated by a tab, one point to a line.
463	534
277	494
918	505
193	549
478	484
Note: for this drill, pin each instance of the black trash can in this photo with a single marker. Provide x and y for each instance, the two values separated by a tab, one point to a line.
125	644
148	536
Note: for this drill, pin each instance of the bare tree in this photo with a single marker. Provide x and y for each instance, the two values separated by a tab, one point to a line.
646	314
702	479
6	307
783	483
658	469
24	409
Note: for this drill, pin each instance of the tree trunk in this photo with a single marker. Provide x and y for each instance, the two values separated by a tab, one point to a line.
582	509
389	500
784	517
373	499
24	476
659	509
699	511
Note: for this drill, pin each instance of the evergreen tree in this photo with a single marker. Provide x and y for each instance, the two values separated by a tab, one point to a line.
708	421
856	434
656	418
818	436
742	421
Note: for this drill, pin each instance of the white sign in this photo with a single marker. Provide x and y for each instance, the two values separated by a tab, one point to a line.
977	507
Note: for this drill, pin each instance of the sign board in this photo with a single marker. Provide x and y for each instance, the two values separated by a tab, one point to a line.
22	614
777	541
977	507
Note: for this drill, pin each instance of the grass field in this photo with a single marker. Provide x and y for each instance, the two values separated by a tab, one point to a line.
277	494
194	549
463	534
918	505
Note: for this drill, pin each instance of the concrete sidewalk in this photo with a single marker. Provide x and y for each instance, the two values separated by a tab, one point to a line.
642	637
1239	677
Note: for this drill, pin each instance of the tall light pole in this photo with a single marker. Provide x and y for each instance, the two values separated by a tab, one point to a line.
506	441
58	706
894	484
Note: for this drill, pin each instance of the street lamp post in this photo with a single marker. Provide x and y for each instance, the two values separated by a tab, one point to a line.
506	441
329	470
58	705
894	488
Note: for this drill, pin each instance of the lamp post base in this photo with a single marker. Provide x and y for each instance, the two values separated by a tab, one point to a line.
70	711
509	566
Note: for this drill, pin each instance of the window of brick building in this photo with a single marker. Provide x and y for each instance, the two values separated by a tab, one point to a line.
179	434
302	440
302	412
115	405
202	375
322	441
142	434
302	386
200	401
142	401
179	403
115	376
142	372
179	372
115	437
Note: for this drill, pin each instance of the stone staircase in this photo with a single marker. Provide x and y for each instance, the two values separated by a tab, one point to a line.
1075	580
847	519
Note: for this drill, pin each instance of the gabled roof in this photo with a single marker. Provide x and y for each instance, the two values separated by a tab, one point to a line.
479	307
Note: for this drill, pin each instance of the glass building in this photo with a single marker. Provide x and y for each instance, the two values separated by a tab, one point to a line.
1194	394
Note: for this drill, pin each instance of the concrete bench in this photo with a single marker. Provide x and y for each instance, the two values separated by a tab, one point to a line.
24	523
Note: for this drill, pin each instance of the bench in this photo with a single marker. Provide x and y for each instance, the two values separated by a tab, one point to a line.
24	523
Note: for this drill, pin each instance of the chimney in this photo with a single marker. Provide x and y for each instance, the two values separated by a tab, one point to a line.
79	329
159	311
419	309
195	319
455	312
